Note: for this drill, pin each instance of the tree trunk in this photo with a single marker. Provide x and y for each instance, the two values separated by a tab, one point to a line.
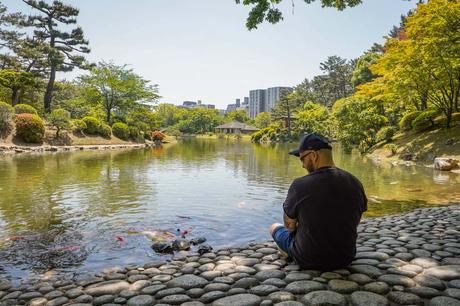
424	100
49	89
107	118
15	96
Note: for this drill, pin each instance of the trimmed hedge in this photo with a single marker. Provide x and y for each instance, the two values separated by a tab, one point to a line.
385	134
30	128
406	121
120	130
78	126
92	125
6	117
60	119
105	130
424	120
134	132
24	109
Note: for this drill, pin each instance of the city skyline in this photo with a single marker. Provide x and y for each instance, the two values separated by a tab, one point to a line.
203	51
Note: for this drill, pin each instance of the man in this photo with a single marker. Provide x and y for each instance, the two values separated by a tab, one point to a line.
321	212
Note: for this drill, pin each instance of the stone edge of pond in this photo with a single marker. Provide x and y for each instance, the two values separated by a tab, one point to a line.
409	259
14	149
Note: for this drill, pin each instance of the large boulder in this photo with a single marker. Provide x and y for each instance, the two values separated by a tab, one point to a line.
445	163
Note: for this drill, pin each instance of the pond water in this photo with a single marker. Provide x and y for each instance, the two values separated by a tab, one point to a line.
85	211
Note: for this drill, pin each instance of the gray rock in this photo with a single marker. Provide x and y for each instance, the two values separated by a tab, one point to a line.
170	291
216	287
343	286
53	294
41	301
192	303
84	299
404	298
324	297
443	301
267	251
211	296
176	299
73	293
372	255
366	269
297	276
195	292
393	279
281	296
249	262
264	267
359	278
453	292
210	275
289	303
59	301
429	281
141	300
4	285
275	282
31	295
246	282
187	281
238	300
108	287
303	287
444	272
103	299
455	283
263	290
424	292
151	290
364	298
263	275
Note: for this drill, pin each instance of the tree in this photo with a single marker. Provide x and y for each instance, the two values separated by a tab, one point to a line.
362	73
238	115
60	119
266	10
263	120
64	48
314	118
118	88
285	108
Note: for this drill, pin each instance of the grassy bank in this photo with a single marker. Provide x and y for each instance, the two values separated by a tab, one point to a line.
421	147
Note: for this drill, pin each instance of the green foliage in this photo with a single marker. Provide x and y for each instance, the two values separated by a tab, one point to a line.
385	134
134	132
60	119
362	72
24	109
263	120
273	133
266	10
121	130
6	117
314	118
30	128
238	115
424	120
456	117
92	125
406	121
78	126
105	130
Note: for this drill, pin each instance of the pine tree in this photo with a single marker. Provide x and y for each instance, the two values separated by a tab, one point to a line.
65	49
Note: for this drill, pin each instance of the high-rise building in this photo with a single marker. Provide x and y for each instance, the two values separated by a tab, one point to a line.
256	102
273	95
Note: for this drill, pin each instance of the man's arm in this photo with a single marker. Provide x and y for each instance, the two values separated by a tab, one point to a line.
290	224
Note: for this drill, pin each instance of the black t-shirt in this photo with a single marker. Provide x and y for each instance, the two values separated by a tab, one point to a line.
327	204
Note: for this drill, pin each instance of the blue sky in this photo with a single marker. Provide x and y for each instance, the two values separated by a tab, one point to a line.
201	49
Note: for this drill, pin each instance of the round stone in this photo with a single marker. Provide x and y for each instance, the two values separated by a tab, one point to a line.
303	287
152	289
210	275
424	292
281	296
330	275
31	295
249	262
359	278
195	292
41	301
443	301
266	251
106	288
73	293
444	272
208	297
323	297
238	300
170	291
176	299
429	281
263	275
366	269
263	290
187	281
455	283
63	300
103	299
297	276
404	298
289	303
141	300
363	298
192	303
275	282
246	282
394	279
372	255
264	267
343	286
453	292
425	262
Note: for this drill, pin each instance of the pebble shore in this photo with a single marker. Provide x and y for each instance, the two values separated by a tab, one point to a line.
13	149
410	259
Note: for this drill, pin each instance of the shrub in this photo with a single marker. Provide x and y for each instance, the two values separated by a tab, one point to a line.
148	135
60	119
105	130
6	117
120	130
406	121
78	126
385	134
157	135
134	132
92	125
30	128
24	109
456	117
424	120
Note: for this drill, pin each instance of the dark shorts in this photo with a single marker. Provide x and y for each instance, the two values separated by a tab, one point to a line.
283	239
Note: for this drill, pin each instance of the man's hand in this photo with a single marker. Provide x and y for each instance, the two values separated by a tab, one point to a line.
290	224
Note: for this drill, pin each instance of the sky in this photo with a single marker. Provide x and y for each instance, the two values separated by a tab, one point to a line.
201	50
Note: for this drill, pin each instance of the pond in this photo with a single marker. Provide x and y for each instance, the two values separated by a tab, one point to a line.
88	210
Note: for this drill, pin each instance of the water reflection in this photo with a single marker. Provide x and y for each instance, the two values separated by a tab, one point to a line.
228	191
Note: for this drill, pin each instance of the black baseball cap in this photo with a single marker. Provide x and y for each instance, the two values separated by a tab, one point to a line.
313	142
